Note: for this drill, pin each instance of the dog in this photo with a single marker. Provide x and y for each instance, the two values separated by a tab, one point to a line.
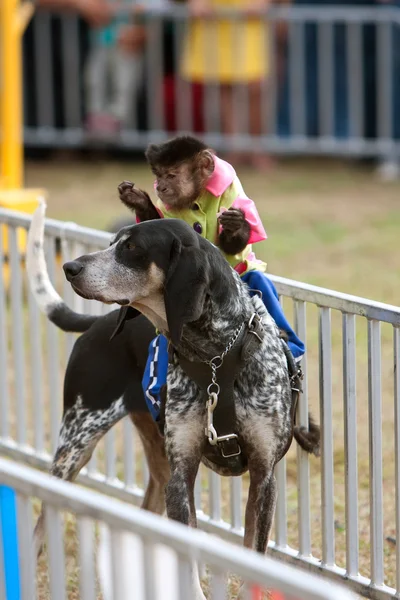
102	382
184	287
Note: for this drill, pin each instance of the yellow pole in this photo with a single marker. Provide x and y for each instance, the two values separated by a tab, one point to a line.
13	20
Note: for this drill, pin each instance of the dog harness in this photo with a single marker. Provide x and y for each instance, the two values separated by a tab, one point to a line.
216	378
155	374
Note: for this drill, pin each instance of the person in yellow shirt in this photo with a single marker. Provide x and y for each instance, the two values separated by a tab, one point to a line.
234	54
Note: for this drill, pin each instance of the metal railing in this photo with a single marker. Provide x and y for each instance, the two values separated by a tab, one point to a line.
148	557
331	84
339	514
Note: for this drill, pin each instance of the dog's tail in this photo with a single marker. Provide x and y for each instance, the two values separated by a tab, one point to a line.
50	303
309	439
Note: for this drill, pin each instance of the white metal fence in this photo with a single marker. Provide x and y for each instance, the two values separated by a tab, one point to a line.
333	84
149	557
340	514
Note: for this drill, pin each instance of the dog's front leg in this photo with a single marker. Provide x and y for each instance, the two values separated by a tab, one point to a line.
184	438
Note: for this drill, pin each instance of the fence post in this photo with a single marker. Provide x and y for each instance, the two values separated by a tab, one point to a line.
9	543
13	19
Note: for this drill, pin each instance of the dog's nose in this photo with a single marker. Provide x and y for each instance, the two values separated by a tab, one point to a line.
72	269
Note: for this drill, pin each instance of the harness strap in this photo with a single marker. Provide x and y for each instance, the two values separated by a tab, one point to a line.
296	376
225	413
224	417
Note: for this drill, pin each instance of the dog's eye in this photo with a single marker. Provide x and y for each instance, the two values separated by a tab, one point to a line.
171	176
130	246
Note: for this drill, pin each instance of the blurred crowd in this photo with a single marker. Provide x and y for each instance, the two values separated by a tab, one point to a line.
231	56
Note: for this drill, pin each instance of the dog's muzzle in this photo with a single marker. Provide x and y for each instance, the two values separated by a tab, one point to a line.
72	269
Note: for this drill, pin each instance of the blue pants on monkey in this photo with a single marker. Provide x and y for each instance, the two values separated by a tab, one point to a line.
155	375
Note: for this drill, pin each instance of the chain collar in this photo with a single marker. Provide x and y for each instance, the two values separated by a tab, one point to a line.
216	362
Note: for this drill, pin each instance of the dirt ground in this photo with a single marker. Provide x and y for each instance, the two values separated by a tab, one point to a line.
330	223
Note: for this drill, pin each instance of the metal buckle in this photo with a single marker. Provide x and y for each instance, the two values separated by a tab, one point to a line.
253	316
297	378
252	326
227	438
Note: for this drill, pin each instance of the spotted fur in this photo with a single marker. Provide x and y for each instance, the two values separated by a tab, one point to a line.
184	286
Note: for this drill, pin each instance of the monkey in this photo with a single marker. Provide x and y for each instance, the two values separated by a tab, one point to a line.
183	167
194	184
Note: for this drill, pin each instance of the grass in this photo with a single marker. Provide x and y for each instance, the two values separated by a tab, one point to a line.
330	224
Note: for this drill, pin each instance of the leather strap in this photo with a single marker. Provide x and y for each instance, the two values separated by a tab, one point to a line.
224	416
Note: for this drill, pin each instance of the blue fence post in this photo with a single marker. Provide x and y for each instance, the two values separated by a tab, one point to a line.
9	542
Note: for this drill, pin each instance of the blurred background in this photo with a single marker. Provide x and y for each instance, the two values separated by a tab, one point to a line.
302	98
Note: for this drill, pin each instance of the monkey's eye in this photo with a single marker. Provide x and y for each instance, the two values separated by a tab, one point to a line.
171	176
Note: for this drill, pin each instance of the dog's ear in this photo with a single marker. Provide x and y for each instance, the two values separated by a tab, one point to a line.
125	314
185	287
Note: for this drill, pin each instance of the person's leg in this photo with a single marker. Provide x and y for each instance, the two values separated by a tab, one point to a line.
228	121
389	165
127	75
396	78
258	106
259	281
96	80
341	92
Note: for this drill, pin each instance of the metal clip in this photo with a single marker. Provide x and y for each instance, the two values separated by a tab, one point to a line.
252	326
210	431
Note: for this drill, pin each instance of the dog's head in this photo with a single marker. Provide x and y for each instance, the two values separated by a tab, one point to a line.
161	268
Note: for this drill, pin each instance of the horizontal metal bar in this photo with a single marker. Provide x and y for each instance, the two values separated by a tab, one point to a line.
58	228
336	300
93	480
222	529
285	13
259	569
287	287
136	140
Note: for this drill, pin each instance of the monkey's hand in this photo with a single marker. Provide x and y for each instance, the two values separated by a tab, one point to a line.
138	201
235	233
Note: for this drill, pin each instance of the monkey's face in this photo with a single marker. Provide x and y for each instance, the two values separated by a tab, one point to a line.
179	186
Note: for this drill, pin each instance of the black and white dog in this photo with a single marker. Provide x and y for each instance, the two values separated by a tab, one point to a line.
184	287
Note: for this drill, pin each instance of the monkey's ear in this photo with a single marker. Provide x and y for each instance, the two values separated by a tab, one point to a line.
207	161
152	153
